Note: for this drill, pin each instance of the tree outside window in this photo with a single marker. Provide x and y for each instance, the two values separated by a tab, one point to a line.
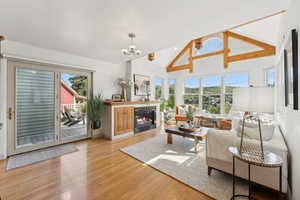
158	83
191	91
171	85
211	97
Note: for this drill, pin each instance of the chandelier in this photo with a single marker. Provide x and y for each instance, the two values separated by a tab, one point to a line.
131	50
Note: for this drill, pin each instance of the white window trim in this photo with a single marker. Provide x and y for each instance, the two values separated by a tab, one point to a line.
266	75
168	85
162	87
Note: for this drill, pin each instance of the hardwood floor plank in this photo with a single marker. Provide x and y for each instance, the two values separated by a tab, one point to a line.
98	170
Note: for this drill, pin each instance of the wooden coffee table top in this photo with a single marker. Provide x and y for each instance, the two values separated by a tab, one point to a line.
175	130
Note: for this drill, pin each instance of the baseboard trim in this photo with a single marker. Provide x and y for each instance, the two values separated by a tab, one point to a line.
2	157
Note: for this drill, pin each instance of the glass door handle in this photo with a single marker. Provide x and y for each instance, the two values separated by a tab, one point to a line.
10	113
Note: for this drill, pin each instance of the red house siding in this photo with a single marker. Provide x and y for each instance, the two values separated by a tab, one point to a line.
66	96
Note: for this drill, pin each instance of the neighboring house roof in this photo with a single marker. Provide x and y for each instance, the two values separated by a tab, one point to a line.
71	90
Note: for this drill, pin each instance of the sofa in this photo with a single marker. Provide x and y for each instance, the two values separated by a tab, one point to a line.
219	158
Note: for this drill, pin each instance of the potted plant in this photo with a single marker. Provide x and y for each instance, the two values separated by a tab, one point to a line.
95	108
189	110
166	108
83	111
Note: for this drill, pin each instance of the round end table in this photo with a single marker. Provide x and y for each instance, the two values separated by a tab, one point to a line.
271	160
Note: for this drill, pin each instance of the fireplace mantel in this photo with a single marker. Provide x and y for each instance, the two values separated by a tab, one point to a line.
119	117
130	102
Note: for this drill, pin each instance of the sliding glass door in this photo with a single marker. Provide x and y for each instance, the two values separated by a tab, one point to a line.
46	106
35	107
74	90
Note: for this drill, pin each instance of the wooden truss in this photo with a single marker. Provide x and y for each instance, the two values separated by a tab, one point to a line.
267	50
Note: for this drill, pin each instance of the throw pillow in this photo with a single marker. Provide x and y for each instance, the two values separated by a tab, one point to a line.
251	130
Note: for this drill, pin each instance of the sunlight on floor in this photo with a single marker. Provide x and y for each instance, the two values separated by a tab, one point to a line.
179	159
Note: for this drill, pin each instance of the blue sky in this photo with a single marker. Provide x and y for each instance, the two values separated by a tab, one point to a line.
210	46
237	80
271	75
158	81
65	78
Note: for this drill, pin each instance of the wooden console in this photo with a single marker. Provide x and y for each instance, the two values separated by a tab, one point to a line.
118	118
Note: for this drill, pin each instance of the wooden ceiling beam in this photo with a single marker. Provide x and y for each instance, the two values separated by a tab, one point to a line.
180	54
268	50
181	67
191	57
226	49
188	48
210	54
250	40
251	55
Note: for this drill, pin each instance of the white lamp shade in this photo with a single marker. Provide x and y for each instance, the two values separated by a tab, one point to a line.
253	99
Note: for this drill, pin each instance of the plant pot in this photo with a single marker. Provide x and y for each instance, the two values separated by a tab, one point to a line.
96	124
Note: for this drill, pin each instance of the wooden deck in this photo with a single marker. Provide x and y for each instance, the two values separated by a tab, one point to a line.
97	171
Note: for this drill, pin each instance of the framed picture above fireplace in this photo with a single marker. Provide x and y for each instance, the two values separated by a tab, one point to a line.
141	85
291	70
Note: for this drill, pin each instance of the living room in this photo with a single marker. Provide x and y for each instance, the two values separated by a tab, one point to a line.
116	100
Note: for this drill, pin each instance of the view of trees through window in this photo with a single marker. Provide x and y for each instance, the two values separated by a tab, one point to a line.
158	82
270	76
171	85
208	93
211	98
191	91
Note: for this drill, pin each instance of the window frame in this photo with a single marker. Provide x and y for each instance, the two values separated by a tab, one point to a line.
169	86
193	94
266	76
213	94
162	87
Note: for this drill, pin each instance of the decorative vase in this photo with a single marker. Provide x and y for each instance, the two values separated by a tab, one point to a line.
189	115
124	93
96	124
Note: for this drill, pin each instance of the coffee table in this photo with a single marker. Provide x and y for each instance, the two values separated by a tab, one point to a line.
197	136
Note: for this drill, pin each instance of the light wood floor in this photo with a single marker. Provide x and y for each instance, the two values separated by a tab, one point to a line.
97	171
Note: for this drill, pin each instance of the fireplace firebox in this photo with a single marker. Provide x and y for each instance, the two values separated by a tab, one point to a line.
144	118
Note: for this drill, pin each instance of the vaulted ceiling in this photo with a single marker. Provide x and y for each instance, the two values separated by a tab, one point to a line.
98	28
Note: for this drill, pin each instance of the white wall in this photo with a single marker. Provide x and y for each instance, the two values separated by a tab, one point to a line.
105	74
288	117
153	69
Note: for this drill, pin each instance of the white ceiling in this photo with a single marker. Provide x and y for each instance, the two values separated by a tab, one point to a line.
98	28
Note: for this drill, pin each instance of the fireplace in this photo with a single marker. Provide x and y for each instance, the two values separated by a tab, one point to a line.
144	118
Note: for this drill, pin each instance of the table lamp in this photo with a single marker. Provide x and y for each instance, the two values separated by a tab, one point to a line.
253	100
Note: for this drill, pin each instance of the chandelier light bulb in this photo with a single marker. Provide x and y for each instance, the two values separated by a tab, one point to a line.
138	52
132	49
125	51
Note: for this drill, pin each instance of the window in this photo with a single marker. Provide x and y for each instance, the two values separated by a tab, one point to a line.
158	83
211	97
191	91
171	84
232	81
270	77
210	45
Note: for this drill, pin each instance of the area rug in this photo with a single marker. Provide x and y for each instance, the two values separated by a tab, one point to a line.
29	158
179	161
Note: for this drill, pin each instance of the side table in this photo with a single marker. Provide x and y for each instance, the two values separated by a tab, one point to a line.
270	160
